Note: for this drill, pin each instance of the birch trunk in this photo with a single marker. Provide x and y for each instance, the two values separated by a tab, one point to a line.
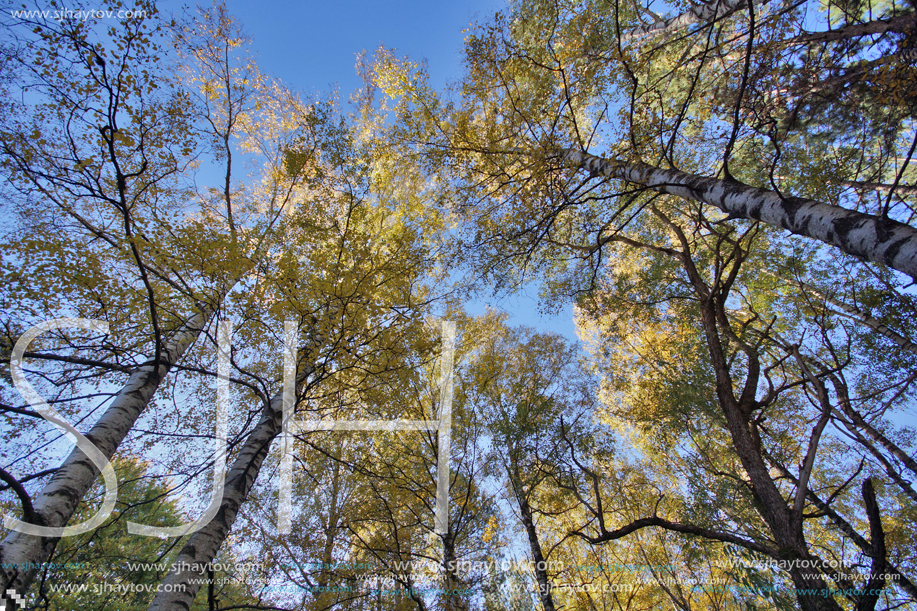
189	570
863	235
21	553
698	13
541	572
868	429
452	578
878	186
715	11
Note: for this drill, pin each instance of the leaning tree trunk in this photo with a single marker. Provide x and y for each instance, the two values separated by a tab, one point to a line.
525	512
901	24
698	13
858	315
21	553
711	12
863	235
189	570
860	423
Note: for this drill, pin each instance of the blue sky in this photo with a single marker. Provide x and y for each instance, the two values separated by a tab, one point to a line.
312	46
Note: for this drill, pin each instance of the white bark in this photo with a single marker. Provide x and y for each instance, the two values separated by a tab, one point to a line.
189	570
20	553
698	13
863	235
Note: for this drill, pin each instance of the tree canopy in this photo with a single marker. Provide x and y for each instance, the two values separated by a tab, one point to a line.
229	379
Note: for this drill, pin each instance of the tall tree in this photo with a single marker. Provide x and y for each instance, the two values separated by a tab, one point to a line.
538	97
535	127
109	568
351	275
526	385
112	142
744	357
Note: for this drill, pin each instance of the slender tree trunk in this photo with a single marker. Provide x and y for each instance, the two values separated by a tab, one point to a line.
868	429
525	512
698	13
331	528
452	578
58	500
863	235
186	576
900	24
857	425
893	471
858	315
541	571
878	186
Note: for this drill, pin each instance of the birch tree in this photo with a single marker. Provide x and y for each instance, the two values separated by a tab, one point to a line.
536	106
111	169
547	123
351	273
527	386
111	148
